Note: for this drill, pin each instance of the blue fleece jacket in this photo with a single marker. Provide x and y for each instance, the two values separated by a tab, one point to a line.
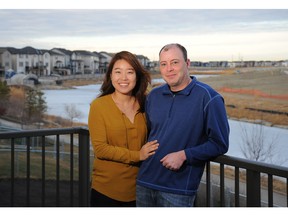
193	119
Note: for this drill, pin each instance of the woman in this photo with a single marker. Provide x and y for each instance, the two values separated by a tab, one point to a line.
118	132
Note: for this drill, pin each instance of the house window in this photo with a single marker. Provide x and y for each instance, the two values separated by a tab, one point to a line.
7	64
21	64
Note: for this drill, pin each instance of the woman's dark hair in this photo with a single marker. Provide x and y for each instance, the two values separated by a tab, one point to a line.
142	78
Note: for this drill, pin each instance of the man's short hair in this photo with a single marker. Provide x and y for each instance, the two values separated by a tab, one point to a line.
182	48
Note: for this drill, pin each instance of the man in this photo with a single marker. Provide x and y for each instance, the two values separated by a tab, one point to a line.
188	118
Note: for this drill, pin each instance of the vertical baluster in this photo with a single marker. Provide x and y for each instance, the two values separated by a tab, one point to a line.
222	185
237	179
57	168
12	171
28	144
43	170
71	170
208	180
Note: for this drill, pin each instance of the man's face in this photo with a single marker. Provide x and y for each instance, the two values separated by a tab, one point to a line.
174	69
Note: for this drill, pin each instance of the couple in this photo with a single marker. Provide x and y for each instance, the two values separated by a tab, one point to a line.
151	151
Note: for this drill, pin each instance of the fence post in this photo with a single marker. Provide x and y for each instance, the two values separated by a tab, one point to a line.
253	189
84	167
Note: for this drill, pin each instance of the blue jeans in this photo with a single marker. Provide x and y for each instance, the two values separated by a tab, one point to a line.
146	197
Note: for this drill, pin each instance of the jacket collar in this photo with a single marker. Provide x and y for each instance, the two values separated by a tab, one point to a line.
186	91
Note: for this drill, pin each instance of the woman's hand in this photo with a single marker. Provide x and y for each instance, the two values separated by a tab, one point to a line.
148	149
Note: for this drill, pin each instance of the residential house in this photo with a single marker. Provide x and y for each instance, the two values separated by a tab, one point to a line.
67	58
284	63
5	62
106	59
195	64
30	60
144	61
108	56
268	63
84	62
236	64
103	63
249	63
58	66
213	64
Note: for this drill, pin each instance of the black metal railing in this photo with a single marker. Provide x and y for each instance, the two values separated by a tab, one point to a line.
239	182
62	156
51	167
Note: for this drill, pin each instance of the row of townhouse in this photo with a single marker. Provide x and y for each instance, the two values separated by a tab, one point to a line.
29	60
237	64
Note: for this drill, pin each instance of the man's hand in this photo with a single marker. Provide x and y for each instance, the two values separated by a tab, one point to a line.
174	161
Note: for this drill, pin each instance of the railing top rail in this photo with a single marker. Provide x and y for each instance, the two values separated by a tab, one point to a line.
276	170
43	132
224	159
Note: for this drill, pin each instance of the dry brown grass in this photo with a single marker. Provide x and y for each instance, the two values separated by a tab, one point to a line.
52	121
241	103
264	89
80	82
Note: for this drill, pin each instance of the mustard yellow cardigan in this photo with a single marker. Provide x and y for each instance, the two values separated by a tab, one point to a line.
116	142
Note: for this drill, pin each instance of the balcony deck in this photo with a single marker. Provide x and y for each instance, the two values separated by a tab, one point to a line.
51	167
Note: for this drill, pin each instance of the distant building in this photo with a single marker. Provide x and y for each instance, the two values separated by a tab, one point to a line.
84	62
144	61
62	62
103	63
5	61
28	60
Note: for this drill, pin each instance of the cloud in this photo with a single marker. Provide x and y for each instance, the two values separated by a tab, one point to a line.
43	22
142	31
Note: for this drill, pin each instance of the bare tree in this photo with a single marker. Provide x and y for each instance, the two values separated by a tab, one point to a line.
258	147
72	112
4	97
35	105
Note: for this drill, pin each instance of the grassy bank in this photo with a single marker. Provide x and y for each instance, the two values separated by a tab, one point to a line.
256	94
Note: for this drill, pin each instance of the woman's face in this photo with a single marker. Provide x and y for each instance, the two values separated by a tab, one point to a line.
123	77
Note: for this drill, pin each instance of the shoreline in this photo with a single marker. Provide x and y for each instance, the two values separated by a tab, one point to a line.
243	100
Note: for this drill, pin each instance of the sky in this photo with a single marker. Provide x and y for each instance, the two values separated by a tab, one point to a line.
209	34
